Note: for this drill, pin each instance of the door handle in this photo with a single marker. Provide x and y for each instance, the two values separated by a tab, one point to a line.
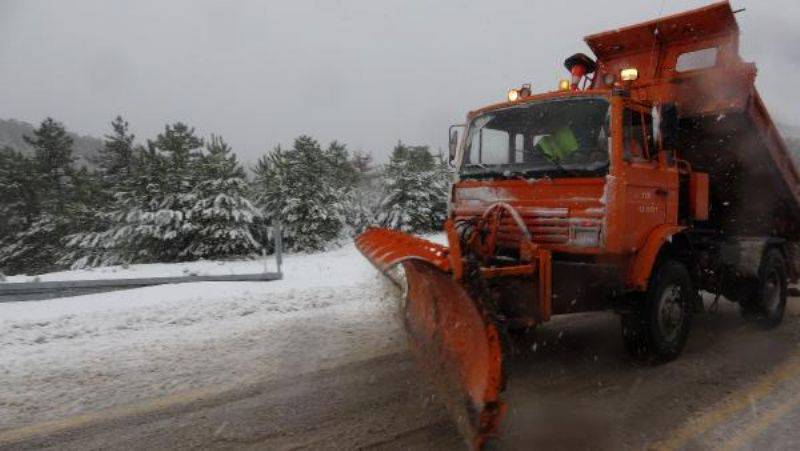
661	192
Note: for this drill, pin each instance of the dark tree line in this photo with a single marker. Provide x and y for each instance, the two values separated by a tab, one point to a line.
180	197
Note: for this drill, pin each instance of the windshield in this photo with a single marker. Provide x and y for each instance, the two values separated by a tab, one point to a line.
552	138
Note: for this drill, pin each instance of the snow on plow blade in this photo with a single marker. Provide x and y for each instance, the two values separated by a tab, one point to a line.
386	248
452	335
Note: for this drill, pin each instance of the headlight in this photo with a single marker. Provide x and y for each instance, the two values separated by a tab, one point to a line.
585	237
513	95
631	74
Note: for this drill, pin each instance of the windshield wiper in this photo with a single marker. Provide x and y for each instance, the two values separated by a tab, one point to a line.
483	173
489	172
519	175
559	166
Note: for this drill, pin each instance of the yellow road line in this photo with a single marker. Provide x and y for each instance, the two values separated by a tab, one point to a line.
738	401
114	413
765	419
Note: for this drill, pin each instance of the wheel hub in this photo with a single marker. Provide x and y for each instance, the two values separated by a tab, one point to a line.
670	312
772	293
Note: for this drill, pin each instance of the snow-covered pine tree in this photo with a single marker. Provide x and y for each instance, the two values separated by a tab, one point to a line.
365	197
224	215
19	198
151	217
415	198
295	188
132	236
118	171
442	180
341	172
360	206
161	225
116	159
346	178
362	161
55	164
54	210
266	190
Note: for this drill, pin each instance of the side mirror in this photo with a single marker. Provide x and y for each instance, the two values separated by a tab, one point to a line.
454	133
668	126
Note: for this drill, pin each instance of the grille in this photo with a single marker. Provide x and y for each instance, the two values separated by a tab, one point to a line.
546	225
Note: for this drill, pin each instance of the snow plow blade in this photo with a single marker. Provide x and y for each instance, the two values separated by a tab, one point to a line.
451	333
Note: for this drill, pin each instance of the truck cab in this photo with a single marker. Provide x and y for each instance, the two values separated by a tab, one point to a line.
592	159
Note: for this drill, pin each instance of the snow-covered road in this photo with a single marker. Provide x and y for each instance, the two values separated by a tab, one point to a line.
317	361
65	356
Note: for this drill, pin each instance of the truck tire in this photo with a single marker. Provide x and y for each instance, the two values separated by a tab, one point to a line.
521	340
768	303
658	327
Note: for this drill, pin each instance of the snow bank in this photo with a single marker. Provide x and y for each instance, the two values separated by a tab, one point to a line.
65	356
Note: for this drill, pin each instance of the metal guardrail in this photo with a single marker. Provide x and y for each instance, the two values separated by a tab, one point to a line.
38	291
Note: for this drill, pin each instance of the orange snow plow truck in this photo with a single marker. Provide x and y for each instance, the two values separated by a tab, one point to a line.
652	173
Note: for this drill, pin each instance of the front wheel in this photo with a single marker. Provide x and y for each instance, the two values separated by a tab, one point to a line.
658	327
521	339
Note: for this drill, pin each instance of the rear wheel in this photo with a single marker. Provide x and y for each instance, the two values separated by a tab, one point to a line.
658	327
768	302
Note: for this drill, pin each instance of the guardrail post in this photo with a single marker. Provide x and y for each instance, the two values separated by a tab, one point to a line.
278	230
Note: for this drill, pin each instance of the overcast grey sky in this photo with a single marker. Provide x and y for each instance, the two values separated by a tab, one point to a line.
366	72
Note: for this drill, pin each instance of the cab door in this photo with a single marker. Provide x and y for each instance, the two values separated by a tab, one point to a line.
647	190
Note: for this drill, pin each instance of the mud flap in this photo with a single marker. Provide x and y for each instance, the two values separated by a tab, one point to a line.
456	341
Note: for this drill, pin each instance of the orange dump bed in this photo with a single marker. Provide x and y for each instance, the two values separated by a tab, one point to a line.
692	60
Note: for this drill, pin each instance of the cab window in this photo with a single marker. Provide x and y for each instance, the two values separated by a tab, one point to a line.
638	143
700	59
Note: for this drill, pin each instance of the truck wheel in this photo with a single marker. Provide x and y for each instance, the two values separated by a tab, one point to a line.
768	304
521	339
657	329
